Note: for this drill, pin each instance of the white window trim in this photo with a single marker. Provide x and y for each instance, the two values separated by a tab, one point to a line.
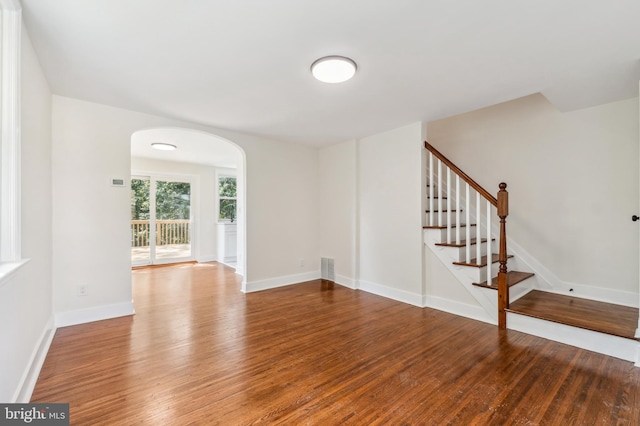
10	227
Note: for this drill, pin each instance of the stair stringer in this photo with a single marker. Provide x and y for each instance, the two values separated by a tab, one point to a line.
521	260
486	298
618	347
545	280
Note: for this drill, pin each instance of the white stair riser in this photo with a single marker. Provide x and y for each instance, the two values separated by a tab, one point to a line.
444	218
444	202
442	237
461	256
626	349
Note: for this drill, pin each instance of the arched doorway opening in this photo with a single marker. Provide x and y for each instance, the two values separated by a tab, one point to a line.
188	203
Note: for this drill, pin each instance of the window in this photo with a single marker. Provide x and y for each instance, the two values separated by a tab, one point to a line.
227	193
10	253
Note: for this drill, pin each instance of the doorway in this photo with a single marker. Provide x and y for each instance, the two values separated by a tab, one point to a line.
161	220
202	157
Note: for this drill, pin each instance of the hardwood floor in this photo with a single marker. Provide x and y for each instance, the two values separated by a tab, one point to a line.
607	318
200	352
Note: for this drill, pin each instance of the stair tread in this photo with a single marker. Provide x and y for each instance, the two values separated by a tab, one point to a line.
513	278
443	211
609	318
463	243
483	261
445	226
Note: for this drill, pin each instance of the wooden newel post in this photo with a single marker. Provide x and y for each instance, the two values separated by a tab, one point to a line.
503	287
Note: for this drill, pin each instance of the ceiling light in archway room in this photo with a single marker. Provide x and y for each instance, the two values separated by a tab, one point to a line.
333	69
163	146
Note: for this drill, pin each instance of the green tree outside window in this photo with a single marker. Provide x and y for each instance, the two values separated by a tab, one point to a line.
227	193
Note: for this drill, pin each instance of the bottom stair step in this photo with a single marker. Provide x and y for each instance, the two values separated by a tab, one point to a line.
513	278
616	320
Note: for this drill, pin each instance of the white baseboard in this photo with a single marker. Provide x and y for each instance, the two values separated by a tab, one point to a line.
205	259
608	295
457	308
414	299
269	283
346	282
97	313
618	347
548	278
30	375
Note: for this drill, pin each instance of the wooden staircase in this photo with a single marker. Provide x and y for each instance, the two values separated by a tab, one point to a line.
460	218
449	206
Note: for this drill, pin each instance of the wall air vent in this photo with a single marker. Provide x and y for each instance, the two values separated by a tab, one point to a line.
327	271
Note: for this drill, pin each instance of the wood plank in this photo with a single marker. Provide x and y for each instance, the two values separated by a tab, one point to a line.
198	351
592	315
483	261
463	243
513	278
445	226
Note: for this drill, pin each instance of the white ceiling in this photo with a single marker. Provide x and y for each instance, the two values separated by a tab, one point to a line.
192	147
244	64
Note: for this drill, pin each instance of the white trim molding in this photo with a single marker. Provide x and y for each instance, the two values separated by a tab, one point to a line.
457	308
8	270
269	283
10	137
30	375
346	281
96	313
414	299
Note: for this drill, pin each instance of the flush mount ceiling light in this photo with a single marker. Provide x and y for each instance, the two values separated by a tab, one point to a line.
333	69
163	146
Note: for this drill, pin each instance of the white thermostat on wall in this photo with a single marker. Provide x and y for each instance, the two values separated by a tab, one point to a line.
117	182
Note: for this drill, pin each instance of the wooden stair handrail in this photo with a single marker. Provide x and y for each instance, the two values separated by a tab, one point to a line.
502	205
475	185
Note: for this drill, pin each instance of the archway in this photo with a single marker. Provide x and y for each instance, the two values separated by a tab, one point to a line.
201	159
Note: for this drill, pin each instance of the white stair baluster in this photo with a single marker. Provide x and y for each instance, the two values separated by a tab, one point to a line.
439	193
431	188
448	205
457	209
468	228
489	250
478	230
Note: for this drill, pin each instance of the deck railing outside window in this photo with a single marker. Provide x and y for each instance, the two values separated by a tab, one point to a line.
175	231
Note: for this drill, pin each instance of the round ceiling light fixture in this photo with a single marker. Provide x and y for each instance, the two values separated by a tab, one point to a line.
163	146
333	69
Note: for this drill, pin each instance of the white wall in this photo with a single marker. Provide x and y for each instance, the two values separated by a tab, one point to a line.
282	212
338	209
371	212
572	180
25	300
390	203
203	204
91	143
